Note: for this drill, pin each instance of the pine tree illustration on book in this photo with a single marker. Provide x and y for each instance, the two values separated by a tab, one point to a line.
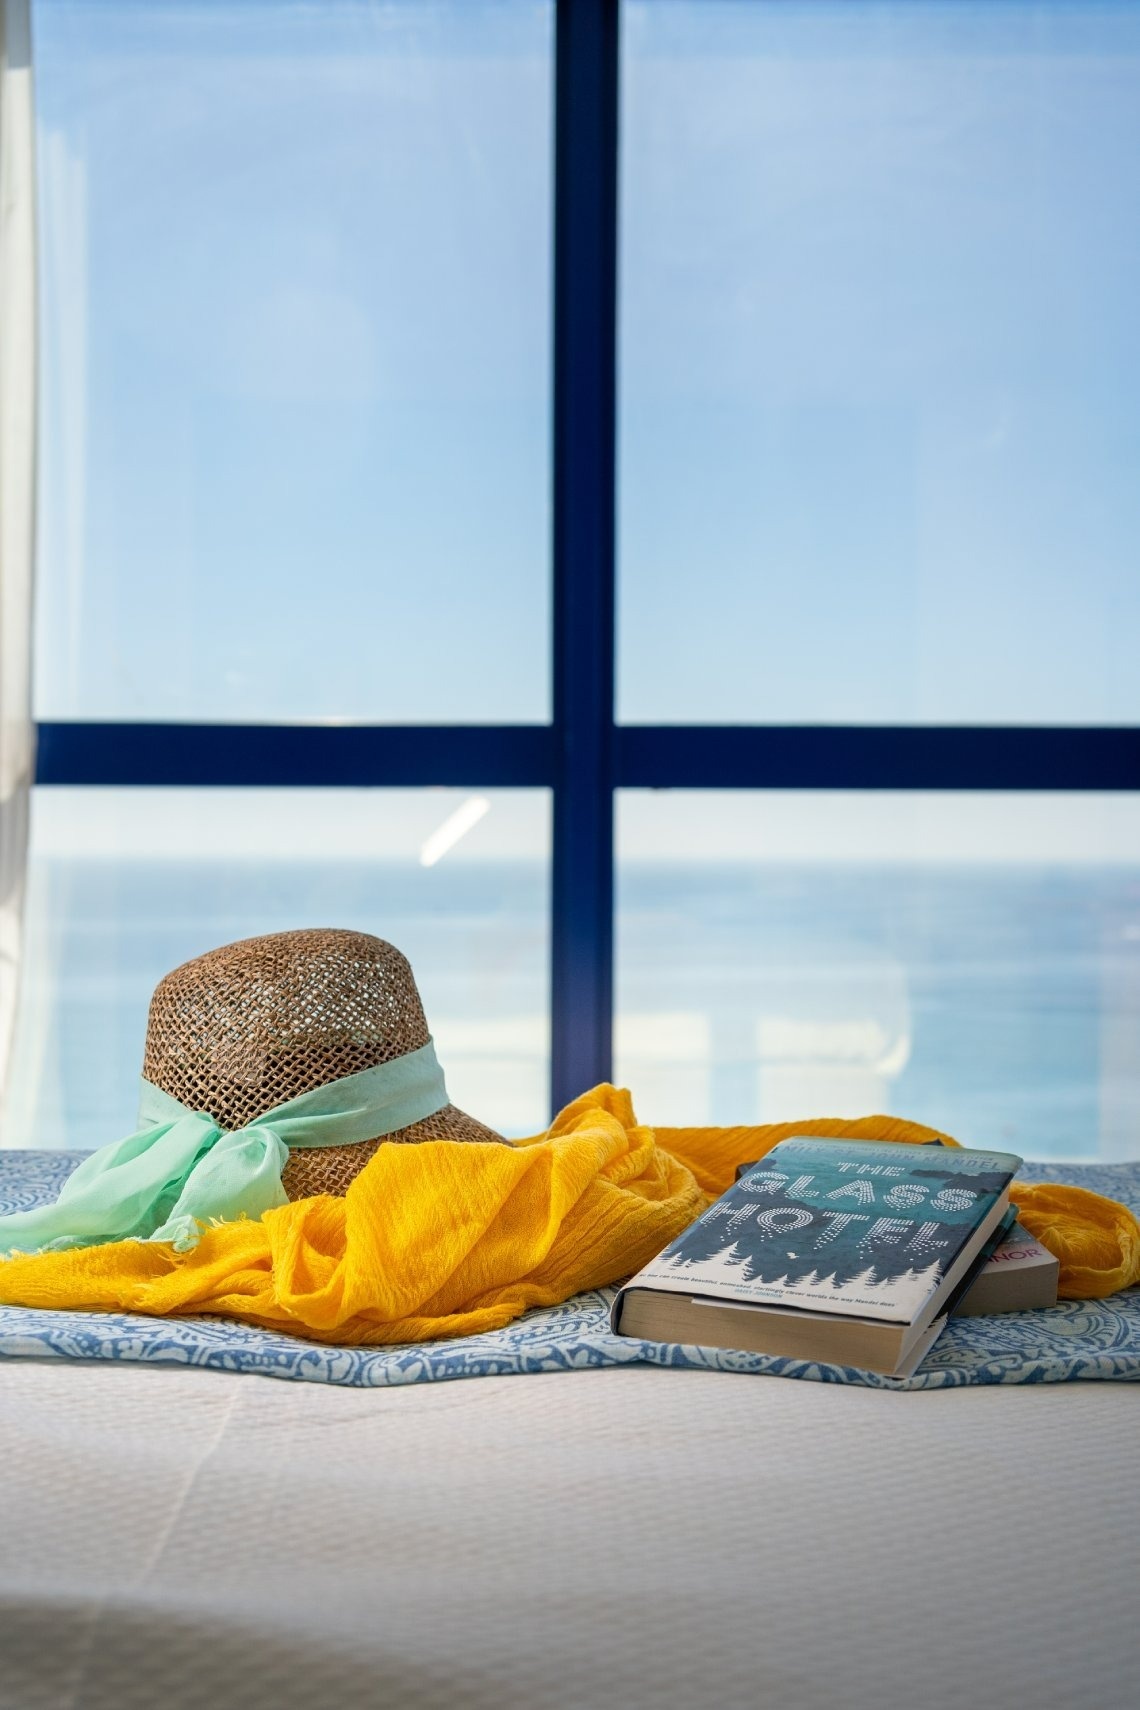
846	1252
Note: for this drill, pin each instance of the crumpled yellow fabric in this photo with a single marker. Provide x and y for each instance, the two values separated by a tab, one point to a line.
442	1239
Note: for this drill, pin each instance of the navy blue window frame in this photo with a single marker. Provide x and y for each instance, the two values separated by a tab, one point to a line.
582	756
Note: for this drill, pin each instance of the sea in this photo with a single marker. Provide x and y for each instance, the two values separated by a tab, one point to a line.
998	1004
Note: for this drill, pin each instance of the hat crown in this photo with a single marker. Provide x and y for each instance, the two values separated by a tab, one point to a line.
245	1028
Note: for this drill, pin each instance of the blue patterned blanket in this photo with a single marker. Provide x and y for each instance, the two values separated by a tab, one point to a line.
1077	1339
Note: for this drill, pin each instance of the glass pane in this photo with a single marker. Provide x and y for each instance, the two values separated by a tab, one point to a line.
295	337
127	884
880	370
967	961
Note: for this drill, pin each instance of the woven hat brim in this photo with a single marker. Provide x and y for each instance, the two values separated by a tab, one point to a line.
330	1169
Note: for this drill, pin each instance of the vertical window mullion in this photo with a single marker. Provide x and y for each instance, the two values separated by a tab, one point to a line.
585	284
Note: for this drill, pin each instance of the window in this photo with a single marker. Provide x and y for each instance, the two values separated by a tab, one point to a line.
372	484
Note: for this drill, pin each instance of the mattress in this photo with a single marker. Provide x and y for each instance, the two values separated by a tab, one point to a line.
619	1537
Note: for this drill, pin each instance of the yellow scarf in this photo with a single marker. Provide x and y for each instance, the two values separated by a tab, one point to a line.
441	1239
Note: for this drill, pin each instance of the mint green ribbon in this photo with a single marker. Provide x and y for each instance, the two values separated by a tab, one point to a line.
180	1169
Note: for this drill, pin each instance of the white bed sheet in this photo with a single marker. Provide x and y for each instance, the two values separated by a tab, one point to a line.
195	1540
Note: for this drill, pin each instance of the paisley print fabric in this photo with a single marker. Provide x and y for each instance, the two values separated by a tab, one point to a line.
1077	1340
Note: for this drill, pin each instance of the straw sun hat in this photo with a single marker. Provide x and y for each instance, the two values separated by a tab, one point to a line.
273	1070
242	1030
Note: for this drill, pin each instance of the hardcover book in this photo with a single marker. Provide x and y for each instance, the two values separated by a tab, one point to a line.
1020	1275
845	1251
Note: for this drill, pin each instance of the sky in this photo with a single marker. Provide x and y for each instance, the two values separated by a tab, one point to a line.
296	291
880	401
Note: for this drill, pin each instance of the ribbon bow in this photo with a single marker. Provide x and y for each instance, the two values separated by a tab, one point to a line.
180	1169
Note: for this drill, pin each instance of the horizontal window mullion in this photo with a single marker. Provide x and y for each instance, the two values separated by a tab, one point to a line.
646	756
294	755
866	757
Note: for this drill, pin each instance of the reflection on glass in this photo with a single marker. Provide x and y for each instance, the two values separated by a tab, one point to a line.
127	884
971	962
295	343
880	371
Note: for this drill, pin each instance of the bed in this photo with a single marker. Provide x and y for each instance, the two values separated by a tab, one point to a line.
631	1536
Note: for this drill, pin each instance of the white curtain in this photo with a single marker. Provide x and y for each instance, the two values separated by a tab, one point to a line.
17	491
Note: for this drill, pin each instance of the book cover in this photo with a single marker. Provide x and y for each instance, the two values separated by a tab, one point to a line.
861	1228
